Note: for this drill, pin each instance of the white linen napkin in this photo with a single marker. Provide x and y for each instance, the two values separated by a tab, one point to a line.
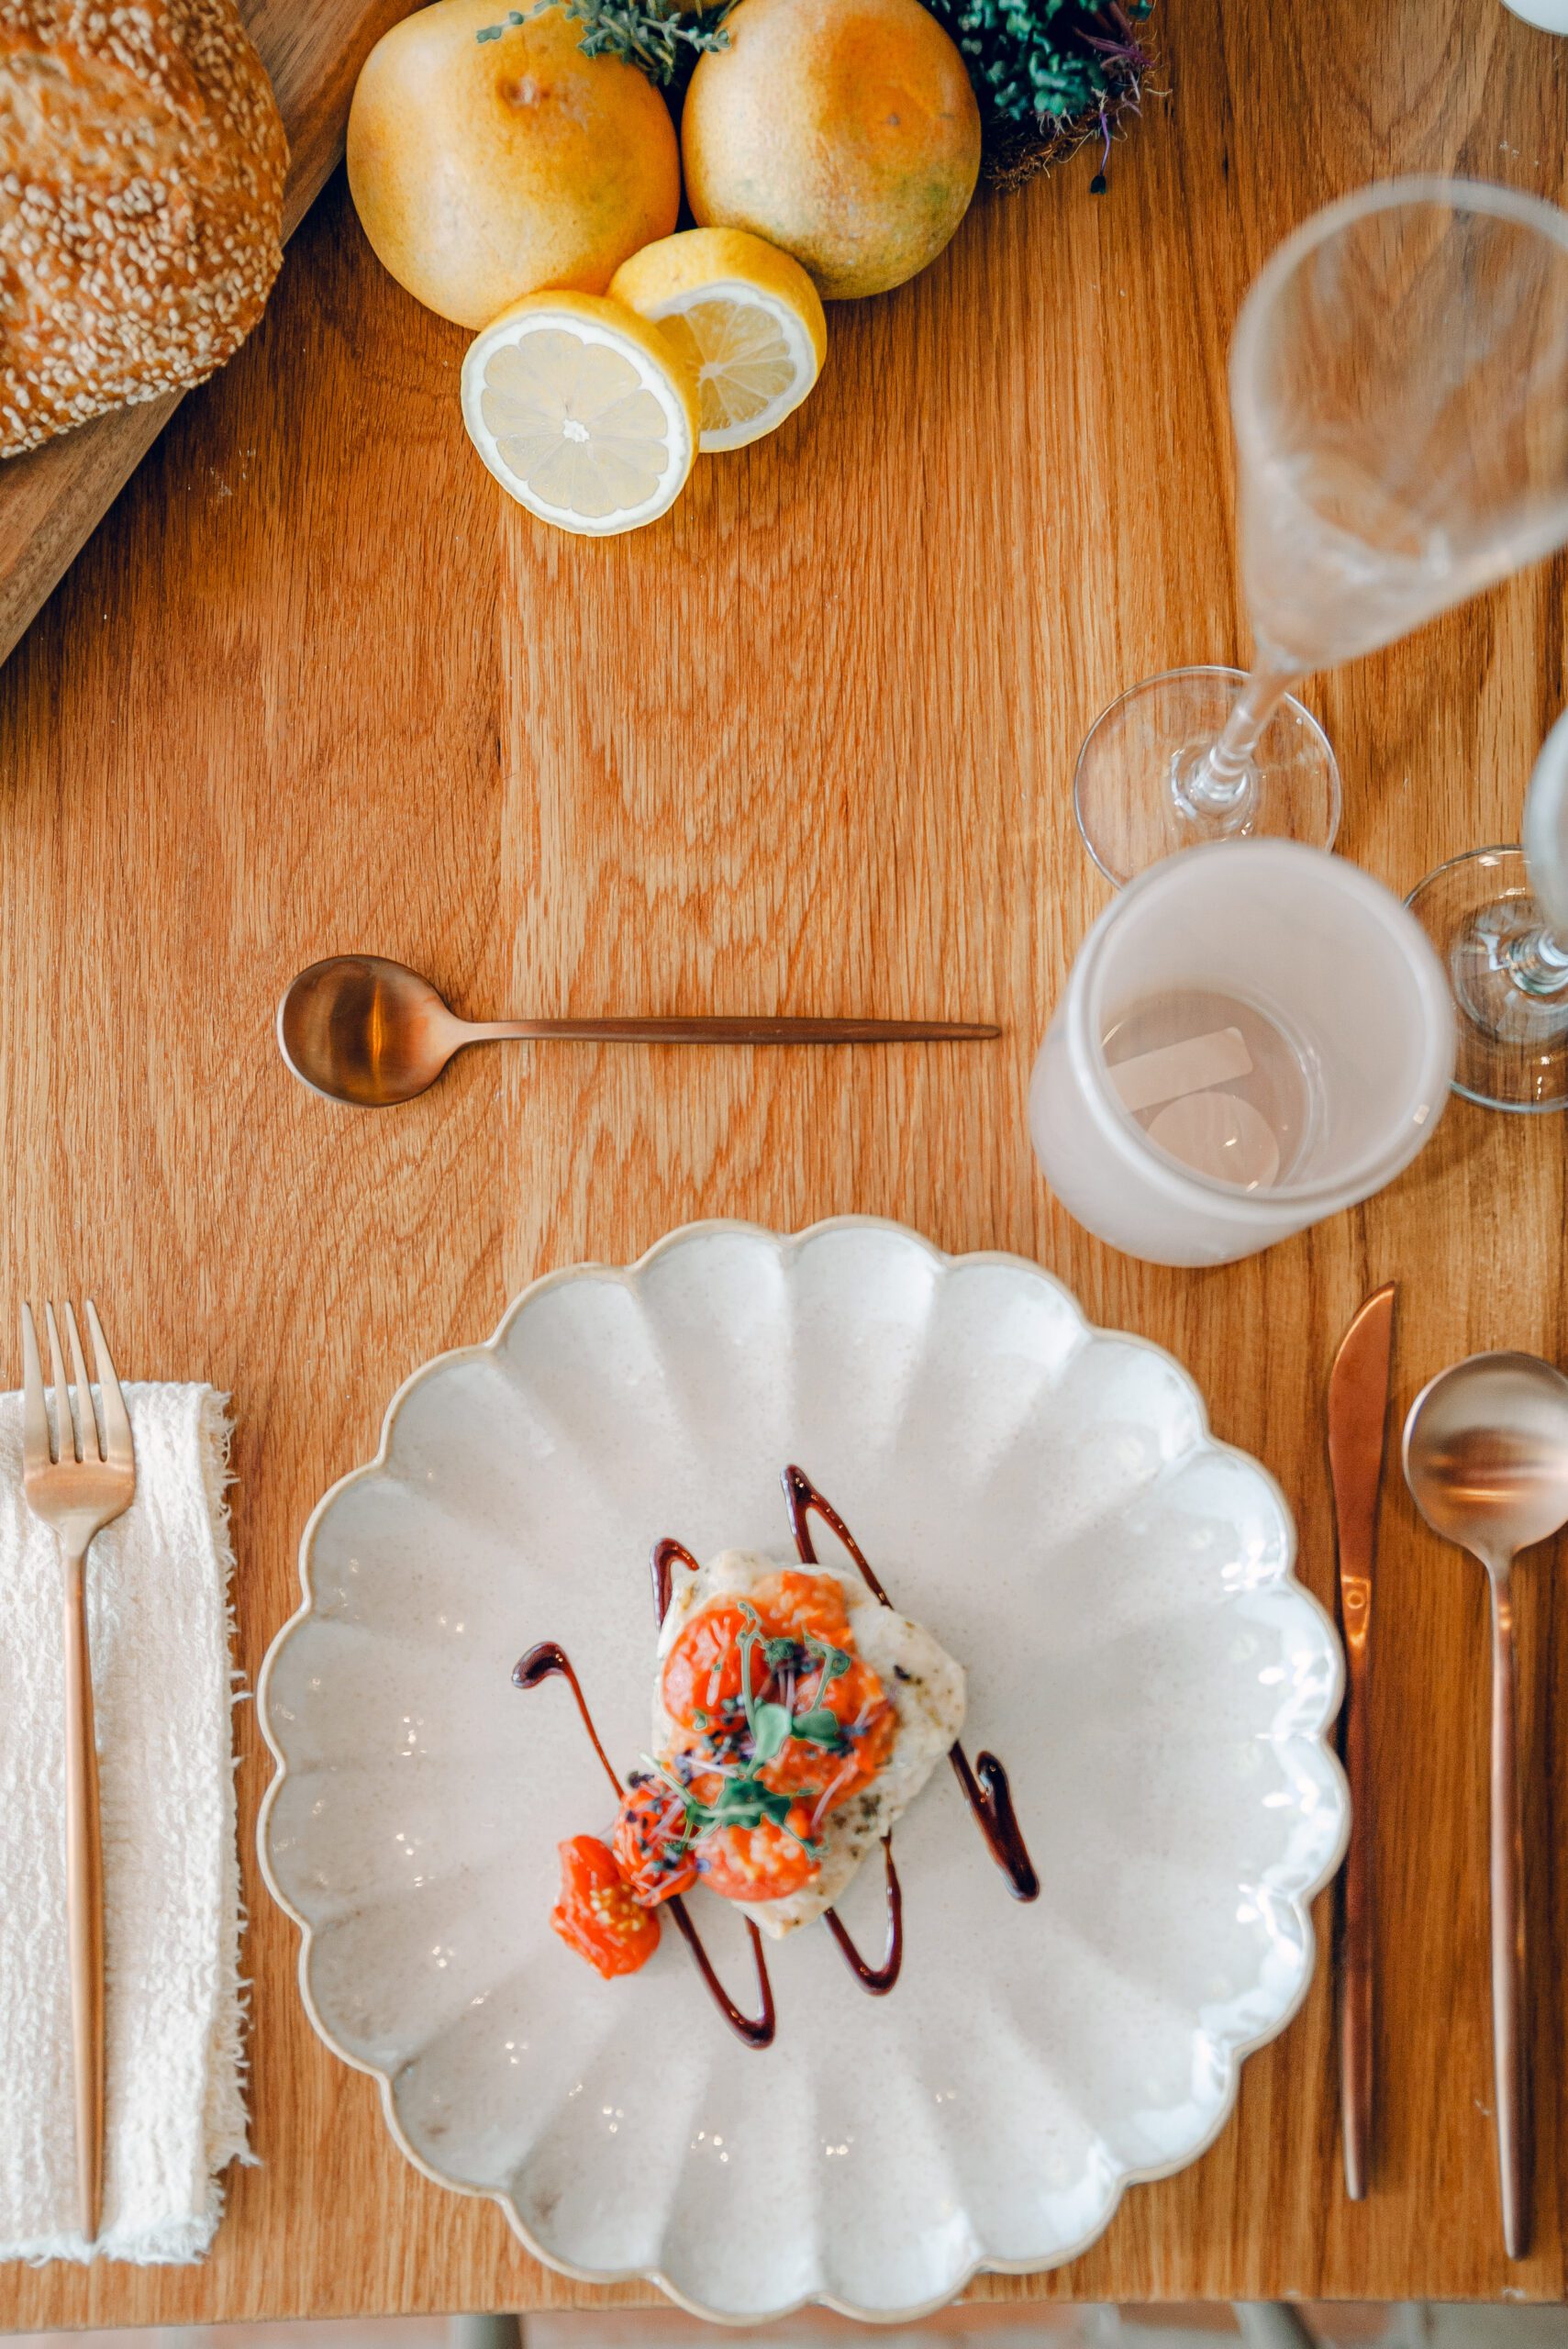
159	1624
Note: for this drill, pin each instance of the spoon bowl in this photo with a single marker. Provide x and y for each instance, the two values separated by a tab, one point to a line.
1486	1454
359	1028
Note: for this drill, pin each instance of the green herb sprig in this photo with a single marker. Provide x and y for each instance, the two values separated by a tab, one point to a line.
1046	63
659	36
772	1725
742	1802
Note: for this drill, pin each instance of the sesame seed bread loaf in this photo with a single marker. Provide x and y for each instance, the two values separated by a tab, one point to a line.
142	177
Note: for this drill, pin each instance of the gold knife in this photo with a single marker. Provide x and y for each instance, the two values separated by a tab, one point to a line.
1357	1413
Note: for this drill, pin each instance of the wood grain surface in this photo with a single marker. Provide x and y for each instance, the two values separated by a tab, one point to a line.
51	497
806	746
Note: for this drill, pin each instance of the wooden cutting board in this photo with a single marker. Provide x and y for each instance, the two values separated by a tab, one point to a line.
53	498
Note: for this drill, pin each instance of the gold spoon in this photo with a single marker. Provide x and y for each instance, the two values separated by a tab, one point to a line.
1486	1462
362	1029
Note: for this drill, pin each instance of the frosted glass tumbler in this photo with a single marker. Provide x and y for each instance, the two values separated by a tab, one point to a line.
1254	1035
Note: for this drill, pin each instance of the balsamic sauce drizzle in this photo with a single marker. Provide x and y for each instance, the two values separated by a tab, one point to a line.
876	1980
667	1556
801	1497
756	2030
986	1790
541	1664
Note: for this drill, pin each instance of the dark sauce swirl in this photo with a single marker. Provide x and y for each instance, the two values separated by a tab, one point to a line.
877	1980
991	1800
757	2032
546	1661
667	1556
803	1500
989	1794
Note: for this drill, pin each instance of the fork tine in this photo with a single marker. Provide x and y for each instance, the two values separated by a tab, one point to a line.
86	1416
118	1448
67	1431
35	1411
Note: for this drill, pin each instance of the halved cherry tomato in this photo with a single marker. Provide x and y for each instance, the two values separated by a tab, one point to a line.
596	1914
760	1863
793	1603
702	1671
804	1767
807	1607
647	1834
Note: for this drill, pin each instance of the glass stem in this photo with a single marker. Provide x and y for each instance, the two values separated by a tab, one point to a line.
1225	773
1537	962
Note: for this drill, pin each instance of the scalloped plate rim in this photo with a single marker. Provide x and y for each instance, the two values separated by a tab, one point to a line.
1300	1902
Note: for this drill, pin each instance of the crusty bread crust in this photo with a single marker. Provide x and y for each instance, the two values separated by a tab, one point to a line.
142	177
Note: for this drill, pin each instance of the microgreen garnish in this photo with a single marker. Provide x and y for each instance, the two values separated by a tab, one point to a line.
821	1726
835	1663
777	1651
770	1725
699	1719
742	1802
749	1640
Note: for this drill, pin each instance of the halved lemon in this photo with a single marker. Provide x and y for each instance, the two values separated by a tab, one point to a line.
747	318
583	410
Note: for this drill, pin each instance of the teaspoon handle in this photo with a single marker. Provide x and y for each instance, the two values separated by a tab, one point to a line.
656	1029
1508	1928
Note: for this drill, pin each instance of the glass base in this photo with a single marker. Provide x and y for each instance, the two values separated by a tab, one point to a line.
1130	791
1479	912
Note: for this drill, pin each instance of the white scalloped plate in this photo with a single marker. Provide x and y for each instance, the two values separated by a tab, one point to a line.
1047	1498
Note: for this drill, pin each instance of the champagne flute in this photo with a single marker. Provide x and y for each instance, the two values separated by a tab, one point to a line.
1399	393
1498	918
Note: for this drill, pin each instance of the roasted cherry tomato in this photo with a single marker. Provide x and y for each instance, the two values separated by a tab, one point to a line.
596	1914
648	1835
702	1671
796	1602
826	1776
760	1863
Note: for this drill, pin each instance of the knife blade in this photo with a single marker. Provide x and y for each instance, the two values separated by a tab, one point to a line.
1358	1415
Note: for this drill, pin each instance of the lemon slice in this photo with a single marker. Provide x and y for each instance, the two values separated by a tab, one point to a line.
583	410
746	316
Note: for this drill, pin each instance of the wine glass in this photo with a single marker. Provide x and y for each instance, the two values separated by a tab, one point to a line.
1399	393
1498	918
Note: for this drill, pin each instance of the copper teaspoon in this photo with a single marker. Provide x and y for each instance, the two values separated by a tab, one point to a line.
1486	1462
362	1029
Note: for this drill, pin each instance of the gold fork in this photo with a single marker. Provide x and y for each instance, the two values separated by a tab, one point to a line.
78	1482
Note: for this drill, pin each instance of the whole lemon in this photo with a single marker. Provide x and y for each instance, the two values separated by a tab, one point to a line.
844	130
489	160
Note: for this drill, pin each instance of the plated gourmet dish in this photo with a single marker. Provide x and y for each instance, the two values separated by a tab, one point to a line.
796	1715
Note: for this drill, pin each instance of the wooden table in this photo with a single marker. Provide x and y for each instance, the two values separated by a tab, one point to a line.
806	745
